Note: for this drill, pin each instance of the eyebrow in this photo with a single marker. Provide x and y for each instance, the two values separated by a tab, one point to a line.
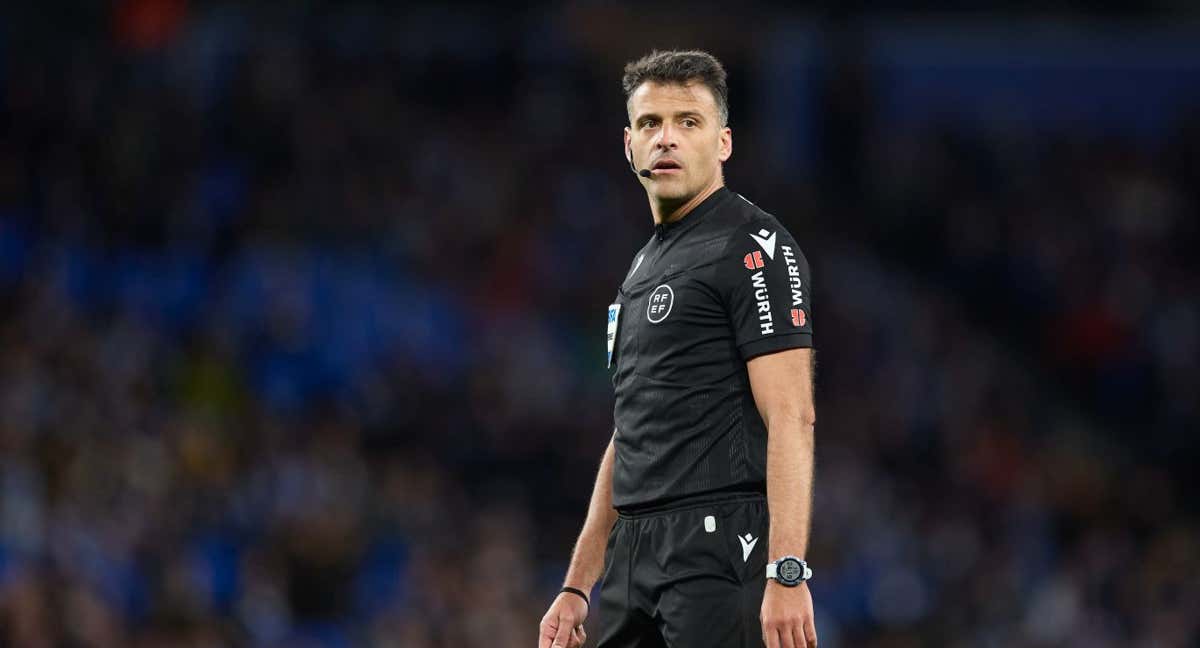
686	113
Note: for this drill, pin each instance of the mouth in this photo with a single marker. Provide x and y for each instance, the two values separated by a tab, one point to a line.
666	166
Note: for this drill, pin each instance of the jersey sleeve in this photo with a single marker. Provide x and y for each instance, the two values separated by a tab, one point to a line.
765	284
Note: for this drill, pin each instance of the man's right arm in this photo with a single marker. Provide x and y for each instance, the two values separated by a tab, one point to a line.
587	561
562	626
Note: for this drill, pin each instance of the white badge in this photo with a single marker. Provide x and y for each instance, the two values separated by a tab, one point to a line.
614	317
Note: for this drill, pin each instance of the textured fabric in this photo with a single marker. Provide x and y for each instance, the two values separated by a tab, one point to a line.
724	284
669	581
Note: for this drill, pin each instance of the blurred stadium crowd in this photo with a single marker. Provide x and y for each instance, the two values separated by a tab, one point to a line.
302	343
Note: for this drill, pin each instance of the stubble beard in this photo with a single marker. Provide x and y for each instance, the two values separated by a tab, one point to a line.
675	190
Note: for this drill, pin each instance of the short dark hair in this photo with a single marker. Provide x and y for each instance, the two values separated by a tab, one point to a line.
682	67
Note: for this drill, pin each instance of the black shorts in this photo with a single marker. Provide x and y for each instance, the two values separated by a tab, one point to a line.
687	576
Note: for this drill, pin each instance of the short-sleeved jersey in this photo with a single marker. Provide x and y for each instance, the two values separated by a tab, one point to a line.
706	294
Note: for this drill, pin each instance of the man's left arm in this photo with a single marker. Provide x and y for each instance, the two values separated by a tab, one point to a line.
782	384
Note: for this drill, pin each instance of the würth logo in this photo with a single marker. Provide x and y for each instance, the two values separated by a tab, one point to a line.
798	317
753	261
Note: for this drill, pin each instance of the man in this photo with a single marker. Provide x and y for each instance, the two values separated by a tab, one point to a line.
700	514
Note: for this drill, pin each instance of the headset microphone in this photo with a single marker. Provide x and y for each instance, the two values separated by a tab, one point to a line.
645	173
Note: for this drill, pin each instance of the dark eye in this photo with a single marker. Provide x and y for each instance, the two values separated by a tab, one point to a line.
689	122
649	123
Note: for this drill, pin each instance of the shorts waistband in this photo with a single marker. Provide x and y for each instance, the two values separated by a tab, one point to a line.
688	502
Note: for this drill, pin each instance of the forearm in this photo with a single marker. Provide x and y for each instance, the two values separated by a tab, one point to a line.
790	443
587	561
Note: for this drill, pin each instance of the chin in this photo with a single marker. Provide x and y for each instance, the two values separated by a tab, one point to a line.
673	191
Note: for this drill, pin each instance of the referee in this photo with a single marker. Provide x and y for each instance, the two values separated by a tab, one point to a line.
699	519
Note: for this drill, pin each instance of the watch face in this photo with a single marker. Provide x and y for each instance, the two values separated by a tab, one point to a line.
790	571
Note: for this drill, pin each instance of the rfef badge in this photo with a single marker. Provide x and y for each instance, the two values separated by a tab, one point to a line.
614	316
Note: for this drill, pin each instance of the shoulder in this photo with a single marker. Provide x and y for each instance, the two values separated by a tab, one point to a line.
747	224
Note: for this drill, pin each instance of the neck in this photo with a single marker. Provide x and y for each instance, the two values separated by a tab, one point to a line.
669	211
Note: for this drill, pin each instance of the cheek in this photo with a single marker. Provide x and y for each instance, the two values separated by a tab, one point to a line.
710	152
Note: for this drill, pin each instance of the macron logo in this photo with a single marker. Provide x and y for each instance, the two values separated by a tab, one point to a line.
767	241
748	542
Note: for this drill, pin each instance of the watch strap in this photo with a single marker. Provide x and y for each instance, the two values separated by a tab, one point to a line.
773	569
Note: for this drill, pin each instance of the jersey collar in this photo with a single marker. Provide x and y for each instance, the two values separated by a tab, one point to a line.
663	230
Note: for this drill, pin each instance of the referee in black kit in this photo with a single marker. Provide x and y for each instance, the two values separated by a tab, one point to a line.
699	519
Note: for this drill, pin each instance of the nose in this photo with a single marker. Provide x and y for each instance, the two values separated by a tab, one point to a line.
666	137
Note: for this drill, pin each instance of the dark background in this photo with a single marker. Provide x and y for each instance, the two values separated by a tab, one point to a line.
302	312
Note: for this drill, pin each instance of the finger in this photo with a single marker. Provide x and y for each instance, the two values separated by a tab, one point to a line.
546	635
798	636
810	632
579	636
785	636
562	635
770	636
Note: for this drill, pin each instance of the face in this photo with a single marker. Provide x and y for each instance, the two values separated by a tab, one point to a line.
676	132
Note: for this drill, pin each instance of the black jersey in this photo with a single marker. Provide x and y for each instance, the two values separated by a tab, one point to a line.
722	285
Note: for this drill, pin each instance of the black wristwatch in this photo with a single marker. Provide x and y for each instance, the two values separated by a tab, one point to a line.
789	571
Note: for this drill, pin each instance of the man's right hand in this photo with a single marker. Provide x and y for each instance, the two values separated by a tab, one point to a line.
562	627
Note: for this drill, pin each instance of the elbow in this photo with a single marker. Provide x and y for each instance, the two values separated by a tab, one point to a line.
805	419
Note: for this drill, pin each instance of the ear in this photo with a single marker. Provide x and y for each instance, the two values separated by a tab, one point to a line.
725	144
628	153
